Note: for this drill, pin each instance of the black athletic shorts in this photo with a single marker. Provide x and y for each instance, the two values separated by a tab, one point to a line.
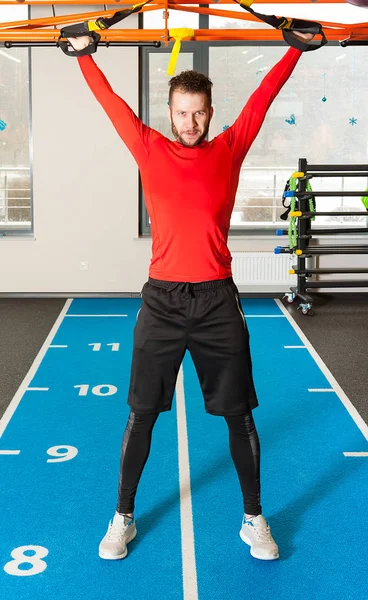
206	318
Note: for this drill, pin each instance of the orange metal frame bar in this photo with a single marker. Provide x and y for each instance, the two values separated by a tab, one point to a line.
120	3
43	29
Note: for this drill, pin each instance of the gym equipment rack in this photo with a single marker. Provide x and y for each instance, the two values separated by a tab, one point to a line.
305	249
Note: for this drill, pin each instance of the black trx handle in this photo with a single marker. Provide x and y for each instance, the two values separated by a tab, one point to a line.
76	31
90	28
287	27
304	27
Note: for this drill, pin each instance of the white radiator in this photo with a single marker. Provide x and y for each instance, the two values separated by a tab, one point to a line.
262	271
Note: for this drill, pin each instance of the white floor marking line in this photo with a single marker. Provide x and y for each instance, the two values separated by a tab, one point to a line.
32	371
9	451
294	347
360	423
322	390
96	315
264	316
355	453
190	587
58	346
31	389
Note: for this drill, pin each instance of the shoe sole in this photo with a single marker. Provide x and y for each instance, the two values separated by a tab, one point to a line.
120	556
247	541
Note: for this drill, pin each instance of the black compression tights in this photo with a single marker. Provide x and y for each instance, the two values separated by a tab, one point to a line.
245	452
244	448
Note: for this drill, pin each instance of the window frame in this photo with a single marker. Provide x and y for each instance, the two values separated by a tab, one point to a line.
22	232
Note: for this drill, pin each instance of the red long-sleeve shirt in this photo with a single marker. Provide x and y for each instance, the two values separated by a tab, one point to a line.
190	192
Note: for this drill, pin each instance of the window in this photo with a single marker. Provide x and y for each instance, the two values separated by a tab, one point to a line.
319	114
311	117
215	22
15	172
177	18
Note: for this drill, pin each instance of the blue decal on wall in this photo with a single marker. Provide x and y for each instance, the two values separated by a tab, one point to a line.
2	125
291	121
324	87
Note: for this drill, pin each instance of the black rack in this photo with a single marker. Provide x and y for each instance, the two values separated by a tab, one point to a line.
305	233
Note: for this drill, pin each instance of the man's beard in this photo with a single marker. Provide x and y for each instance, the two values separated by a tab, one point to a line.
180	139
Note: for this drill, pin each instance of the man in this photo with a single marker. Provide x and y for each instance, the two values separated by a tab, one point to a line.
190	300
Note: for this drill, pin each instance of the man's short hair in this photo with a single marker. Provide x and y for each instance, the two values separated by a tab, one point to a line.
192	82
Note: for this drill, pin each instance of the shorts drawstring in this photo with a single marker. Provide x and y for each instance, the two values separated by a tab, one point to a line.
190	289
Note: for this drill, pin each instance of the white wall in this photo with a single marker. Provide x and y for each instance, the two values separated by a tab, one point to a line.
85	184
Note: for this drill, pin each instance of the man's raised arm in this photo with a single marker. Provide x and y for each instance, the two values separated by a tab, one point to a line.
242	133
130	128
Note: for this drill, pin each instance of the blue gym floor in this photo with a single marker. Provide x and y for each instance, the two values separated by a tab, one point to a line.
59	457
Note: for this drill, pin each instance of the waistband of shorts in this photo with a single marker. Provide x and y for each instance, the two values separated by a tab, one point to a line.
201	285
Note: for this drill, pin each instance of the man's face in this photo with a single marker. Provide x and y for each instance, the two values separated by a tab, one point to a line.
190	117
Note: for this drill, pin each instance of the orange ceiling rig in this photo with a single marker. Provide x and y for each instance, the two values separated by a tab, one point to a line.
46	31
119	3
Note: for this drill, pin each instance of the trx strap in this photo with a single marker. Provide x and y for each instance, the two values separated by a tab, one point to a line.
287	27
90	28
178	35
291	187
365	201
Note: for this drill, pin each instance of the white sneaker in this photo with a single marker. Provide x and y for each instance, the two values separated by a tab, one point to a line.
256	533
120	532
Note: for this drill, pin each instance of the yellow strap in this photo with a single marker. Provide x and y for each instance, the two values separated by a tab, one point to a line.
297	174
286	24
97	25
140	4
92	26
178	34
246	2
